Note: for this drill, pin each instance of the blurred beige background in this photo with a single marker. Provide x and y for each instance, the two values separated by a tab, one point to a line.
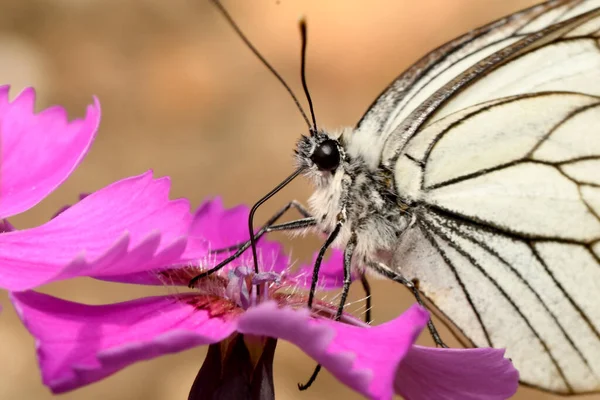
182	95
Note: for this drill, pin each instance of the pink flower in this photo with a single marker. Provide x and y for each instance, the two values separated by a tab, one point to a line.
79	344
127	225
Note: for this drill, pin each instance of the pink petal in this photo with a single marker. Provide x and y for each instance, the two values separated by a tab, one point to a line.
129	226
448	374
219	226
79	344
365	359
213	227
38	151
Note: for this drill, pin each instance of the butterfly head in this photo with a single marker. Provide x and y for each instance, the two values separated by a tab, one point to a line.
320	154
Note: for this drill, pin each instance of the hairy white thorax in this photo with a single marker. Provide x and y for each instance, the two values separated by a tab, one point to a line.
355	193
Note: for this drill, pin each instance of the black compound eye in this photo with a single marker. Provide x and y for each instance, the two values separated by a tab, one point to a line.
326	156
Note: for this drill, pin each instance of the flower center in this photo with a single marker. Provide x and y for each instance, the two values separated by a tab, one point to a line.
244	285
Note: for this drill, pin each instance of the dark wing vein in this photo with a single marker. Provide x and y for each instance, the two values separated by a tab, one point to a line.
452	268
561	15
551	131
481	110
394	93
447	224
475	263
491	227
529	43
583	315
576	159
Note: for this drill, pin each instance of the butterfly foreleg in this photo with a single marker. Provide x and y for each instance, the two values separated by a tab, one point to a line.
394	275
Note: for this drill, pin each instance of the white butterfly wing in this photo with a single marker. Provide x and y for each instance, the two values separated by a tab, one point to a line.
400	110
499	155
507	237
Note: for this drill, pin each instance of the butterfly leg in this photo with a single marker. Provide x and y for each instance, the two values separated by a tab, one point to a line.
348	252
315	277
269	226
367	288
397	277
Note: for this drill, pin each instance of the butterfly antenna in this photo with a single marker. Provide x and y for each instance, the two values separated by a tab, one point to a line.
242	36
304	39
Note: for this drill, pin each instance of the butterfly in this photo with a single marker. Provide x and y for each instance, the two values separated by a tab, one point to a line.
476	174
